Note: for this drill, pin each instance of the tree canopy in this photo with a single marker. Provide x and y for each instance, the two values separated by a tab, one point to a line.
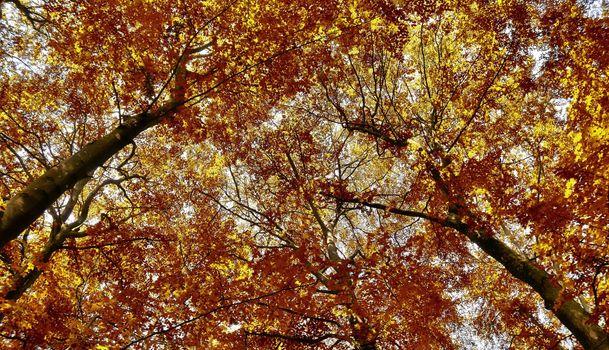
337	174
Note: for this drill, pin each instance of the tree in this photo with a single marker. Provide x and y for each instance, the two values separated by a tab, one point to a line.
350	175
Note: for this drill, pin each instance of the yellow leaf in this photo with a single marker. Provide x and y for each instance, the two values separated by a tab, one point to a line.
569	187
599	133
376	23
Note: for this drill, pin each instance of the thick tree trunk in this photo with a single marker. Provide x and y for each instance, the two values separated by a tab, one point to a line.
568	311
28	205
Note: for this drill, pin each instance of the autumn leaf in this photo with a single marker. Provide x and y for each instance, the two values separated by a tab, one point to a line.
303	174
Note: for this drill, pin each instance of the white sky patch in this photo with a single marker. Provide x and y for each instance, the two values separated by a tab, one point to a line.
561	106
595	8
540	55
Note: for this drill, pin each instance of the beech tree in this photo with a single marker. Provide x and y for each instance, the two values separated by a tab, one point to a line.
337	174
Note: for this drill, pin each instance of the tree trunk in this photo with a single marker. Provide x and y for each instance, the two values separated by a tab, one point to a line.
568	311
22	285
28	205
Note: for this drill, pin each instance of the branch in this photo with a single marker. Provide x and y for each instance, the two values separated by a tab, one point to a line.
480	103
403	212
306	340
225	306
34	18
84	211
103	245
181	62
569	312
321	319
268	59
75	193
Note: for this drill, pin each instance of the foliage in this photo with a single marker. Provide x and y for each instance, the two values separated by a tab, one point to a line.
348	174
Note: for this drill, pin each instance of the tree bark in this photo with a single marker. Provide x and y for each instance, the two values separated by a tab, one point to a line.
28	205
568	311
22	285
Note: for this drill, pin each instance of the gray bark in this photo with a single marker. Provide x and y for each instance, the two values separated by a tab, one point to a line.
568	311
572	314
